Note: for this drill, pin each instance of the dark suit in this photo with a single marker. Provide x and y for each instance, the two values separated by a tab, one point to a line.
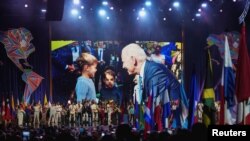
101	65
157	80
161	78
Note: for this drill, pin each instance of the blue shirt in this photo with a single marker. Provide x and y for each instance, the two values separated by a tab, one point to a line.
85	89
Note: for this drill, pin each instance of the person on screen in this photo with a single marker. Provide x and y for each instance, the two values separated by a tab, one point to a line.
157	56
158	82
110	91
85	88
102	53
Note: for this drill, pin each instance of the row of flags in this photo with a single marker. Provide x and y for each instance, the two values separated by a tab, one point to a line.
233	106
234	89
8	107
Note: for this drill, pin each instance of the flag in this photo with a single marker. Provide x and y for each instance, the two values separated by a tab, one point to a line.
148	113
12	103
13	113
45	101
3	107
141	118
243	80
228	98
166	110
243	69
194	98
17	101
209	95
184	106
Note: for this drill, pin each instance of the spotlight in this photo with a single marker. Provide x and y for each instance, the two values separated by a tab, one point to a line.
234	0
148	3
193	19
142	13
204	5
112	8
164	19
82	7
176	4
79	17
102	12
74	11
105	3
197	14
169	9
107	18
26	5
199	10
210	0
76	2
221	10
43	10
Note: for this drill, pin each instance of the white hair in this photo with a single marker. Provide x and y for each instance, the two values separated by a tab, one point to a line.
134	50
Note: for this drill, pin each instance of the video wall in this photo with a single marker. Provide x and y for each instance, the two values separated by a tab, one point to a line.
65	52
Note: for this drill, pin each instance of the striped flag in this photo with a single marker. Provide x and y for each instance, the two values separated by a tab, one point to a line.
209	95
148	113
166	110
228	98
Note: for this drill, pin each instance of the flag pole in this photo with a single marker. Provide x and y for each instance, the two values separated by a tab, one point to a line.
50	66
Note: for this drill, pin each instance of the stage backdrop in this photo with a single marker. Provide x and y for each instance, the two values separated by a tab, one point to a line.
65	52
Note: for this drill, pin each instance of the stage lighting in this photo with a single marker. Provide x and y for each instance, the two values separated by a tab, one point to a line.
107	18
43	10
199	10
105	3
82	7
102	12
148	3
26	5
111	8
74	11
176	4
79	17
76	2
142	13
197	14
204	5
169	9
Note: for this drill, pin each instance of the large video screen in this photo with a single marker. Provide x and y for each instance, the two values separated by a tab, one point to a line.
65	52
